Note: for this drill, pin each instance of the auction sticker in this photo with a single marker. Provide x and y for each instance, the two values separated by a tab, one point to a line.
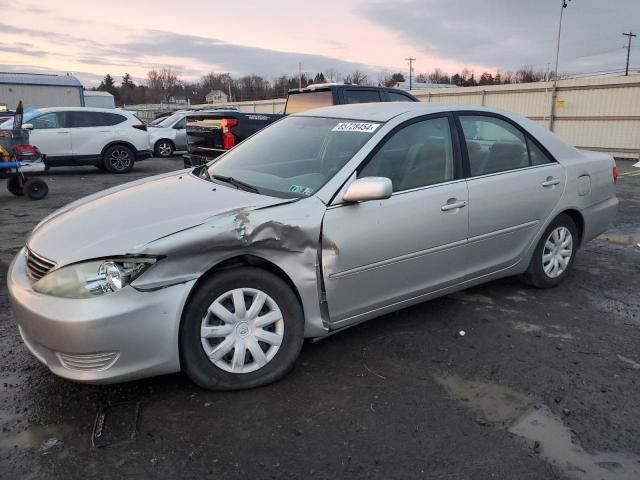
364	127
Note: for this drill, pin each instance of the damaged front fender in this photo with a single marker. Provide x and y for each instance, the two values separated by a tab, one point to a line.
287	235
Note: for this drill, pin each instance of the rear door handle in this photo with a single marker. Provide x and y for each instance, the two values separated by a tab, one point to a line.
453	204
550	182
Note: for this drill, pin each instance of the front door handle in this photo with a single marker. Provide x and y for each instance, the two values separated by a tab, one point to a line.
453	204
551	182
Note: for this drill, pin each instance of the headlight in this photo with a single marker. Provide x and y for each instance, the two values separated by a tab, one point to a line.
91	279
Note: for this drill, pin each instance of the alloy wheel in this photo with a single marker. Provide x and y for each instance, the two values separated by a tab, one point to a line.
557	252
164	149
242	330
120	159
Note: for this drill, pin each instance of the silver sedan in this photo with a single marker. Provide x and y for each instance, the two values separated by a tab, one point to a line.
321	221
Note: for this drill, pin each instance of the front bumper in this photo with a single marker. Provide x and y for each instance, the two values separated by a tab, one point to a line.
121	336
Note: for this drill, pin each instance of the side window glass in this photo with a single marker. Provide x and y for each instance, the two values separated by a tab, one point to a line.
84	119
538	157
493	145
108	119
419	154
361	96
398	97
180	124
46	121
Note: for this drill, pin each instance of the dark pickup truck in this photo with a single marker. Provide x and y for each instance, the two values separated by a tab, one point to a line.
211	133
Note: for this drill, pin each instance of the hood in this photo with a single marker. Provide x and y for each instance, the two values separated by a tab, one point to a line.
123	220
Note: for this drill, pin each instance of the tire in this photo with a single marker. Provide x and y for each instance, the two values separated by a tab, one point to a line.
118	159
36	188
163	148
226	371
558	245
14	185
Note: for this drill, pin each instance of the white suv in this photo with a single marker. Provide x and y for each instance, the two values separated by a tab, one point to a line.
108	138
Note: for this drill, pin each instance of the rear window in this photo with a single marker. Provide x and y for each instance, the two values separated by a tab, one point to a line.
361	96
299	102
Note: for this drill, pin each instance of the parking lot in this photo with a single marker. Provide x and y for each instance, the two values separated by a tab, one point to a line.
498	381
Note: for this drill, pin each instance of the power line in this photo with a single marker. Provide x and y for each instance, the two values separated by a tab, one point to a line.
410	60
630	35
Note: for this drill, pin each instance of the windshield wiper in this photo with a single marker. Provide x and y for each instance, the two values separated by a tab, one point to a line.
236	183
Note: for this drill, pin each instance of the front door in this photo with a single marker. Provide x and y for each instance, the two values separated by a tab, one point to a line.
514	186
378	253
51	137
89	134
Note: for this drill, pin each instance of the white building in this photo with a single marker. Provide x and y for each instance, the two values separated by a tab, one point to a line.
40	90
216	96
98	99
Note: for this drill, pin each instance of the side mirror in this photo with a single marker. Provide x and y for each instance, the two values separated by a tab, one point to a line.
368	188
27	126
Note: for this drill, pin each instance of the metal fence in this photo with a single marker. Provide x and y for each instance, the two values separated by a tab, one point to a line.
600	114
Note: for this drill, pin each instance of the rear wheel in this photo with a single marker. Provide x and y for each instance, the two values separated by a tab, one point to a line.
118	159
164	148
36	188
15	185
243	328
554	255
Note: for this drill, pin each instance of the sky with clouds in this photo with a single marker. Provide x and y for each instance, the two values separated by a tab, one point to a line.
91	38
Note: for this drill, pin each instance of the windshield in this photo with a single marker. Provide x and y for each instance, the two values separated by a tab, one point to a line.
167	122
28	116
295	156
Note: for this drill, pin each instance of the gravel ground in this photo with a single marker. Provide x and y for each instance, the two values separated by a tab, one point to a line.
543	385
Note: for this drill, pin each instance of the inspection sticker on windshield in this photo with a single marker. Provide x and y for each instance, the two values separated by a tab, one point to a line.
364	127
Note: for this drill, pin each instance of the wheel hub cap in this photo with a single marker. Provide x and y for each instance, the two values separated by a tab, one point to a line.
557	252
242	330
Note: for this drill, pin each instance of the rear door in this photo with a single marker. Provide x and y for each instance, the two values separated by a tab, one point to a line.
52	137
379	253
514	185
90	133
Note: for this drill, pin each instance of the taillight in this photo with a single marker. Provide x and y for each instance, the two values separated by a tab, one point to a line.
142	126
228	138
615	174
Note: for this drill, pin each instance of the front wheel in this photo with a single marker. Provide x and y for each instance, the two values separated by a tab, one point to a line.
118	159
554	254
15	185
243	328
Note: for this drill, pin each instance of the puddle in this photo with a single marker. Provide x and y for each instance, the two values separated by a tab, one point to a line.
525	327
491	401
620	238
513	411
40	437
557	448
633	364
472	297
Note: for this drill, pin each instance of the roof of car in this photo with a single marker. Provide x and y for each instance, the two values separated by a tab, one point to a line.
84	109
376	112
385	111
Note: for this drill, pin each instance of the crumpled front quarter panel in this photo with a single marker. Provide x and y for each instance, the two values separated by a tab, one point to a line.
288	235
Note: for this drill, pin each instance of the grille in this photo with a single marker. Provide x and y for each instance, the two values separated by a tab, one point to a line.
88	362
37	266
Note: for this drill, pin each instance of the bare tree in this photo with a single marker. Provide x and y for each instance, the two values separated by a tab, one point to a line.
357	77
163	83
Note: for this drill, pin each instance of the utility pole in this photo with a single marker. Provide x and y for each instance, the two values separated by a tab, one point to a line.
563	5
630	35
410	60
